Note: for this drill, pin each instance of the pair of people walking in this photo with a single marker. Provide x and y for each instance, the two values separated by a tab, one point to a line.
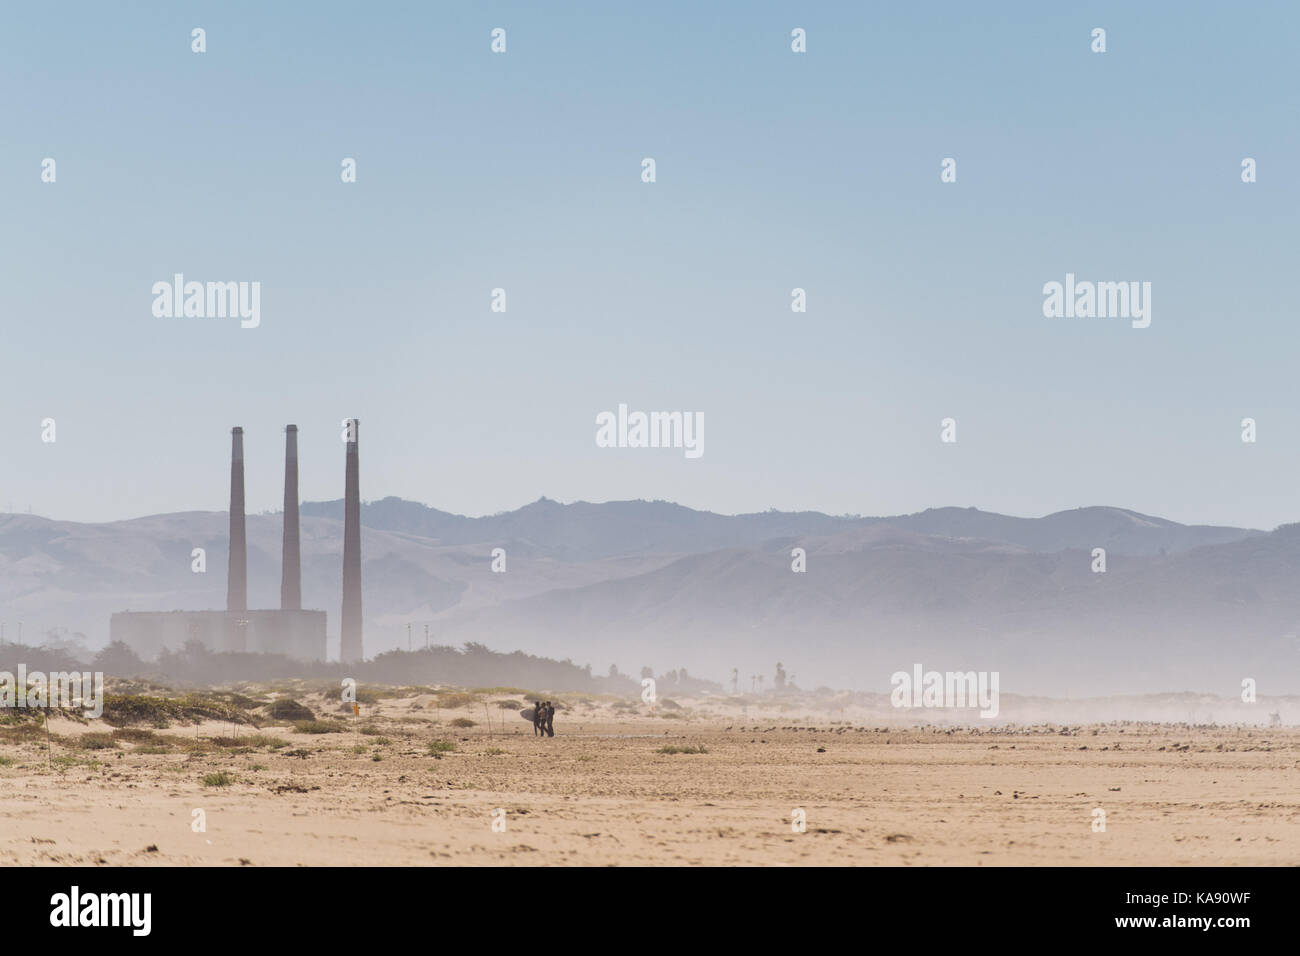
543	718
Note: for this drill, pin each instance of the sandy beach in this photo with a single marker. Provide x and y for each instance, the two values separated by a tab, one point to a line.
619	787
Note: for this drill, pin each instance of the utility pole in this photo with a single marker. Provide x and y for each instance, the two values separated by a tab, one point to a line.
426	637
408	637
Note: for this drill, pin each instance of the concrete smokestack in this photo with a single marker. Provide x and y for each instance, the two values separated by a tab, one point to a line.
350	625
237	572
291	556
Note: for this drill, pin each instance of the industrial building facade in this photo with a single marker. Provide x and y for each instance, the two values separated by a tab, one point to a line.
297	634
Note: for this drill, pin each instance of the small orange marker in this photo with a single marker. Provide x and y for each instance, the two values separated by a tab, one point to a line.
356	710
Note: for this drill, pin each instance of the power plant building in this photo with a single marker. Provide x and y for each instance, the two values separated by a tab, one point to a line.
297	634
290	630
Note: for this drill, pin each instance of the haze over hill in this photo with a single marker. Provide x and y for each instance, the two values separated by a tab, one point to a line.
652	583
583	531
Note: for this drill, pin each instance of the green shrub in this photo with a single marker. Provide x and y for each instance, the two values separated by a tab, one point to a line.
134	735
454	699
250	742
22	734
286	708
364	695
121	710
318	727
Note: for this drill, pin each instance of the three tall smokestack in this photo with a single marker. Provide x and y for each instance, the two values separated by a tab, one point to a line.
291	556
237	571
291	569
350	649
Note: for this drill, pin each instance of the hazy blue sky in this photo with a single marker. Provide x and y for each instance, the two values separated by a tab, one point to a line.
775	170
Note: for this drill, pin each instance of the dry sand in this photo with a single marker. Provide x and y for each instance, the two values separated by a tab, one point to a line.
600	793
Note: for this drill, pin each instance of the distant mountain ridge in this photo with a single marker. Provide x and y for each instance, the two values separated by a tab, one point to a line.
586	531
633	583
